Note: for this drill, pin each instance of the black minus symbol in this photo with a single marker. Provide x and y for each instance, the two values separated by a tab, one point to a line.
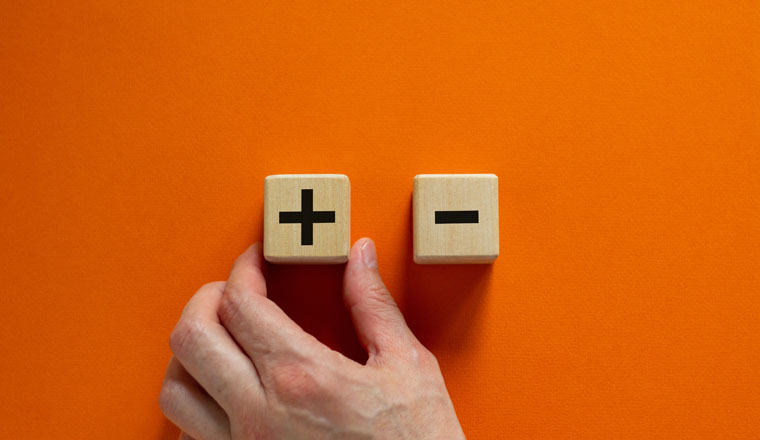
446	217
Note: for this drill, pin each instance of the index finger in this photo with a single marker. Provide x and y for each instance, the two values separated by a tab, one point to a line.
258	325
248	271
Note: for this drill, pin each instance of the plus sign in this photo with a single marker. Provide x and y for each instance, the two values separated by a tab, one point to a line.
307	216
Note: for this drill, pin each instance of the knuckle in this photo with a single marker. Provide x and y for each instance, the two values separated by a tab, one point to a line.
429	359
206	289
231	304
292	382
185	336
214	285
169	397
422	357
227	309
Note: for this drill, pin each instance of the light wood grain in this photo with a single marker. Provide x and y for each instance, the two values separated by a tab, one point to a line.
463	243
282	242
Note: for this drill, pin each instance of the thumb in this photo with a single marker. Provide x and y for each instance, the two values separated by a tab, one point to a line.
377	319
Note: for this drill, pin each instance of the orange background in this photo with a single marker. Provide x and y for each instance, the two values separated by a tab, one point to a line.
136	137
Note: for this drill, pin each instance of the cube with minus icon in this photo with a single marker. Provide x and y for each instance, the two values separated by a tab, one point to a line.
456	218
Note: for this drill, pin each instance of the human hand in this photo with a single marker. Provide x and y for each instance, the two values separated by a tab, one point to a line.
242	369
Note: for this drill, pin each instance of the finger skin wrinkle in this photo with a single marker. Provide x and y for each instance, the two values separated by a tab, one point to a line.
377	292
184	338
384	333
380	305
231	304
171	393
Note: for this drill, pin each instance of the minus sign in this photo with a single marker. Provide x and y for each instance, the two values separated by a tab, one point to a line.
446	217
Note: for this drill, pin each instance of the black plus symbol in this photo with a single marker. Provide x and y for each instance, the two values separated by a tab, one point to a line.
307	216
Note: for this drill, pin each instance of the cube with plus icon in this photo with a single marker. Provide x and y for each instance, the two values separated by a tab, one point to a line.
307	218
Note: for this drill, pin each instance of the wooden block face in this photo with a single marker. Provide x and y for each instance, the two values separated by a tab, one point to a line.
307	218
456	218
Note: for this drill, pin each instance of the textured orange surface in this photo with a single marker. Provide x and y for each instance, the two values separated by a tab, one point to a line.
135	137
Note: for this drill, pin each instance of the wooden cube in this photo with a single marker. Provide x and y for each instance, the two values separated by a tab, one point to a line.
456	218
307	218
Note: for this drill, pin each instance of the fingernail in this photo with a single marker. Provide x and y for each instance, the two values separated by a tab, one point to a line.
369	254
